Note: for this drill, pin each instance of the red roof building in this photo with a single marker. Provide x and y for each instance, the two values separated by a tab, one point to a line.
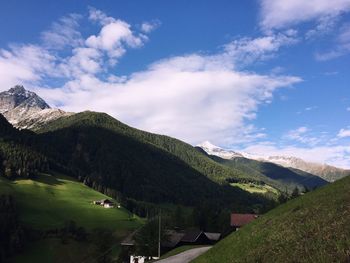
239	220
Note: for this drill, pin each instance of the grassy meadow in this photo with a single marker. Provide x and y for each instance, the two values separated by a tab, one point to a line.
49	201
255	188
314	227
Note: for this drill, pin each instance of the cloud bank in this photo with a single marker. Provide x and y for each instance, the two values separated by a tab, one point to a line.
276	14
193	97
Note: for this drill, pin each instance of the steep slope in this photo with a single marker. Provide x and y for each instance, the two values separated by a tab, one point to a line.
326	172
116	164
311	228
110	154
183	151
273	174
25	109
6	128
17	158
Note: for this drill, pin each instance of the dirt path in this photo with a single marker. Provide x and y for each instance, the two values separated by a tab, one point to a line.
186	256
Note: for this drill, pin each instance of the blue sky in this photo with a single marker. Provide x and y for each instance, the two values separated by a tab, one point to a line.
264	76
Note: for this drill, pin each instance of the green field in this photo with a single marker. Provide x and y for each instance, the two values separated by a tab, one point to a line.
311	228
255	188
49	201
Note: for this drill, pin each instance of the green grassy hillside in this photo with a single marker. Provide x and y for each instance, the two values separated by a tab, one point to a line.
312	228
48	202
256	188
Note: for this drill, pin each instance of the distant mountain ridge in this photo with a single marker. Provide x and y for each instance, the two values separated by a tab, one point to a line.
26	110
326	172
279	177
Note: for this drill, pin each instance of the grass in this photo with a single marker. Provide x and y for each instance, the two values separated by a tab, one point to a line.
52	250
312	228
48	201
255	188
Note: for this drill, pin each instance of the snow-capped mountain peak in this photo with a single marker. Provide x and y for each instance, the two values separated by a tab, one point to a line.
19	97
212	149
327	172
25	109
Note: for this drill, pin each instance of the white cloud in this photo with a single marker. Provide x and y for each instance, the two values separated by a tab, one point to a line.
311	108
302	135
113	38
344	133
325	25
246	50
100	17
191	97
23	64
341	46
30	64
276	14
63	33
148	27
83	60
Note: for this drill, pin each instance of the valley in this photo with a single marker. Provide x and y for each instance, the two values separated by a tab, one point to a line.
55	170
175	131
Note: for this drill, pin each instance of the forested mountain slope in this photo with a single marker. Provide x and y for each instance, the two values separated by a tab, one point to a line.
117	164
180	149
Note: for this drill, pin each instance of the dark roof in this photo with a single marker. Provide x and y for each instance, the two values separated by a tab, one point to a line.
106	201
173	238
191	236
212	236
239	220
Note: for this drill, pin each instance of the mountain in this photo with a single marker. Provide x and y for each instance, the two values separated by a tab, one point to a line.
311	228
326	172
272	174
107	156
141	165
211	149
134	167
25	109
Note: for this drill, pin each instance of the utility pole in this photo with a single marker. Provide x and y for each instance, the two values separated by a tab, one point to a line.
160	218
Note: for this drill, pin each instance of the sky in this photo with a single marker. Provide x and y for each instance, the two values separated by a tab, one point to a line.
269	77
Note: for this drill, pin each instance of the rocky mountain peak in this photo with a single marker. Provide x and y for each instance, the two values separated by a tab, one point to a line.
18	89
19	97
25	109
